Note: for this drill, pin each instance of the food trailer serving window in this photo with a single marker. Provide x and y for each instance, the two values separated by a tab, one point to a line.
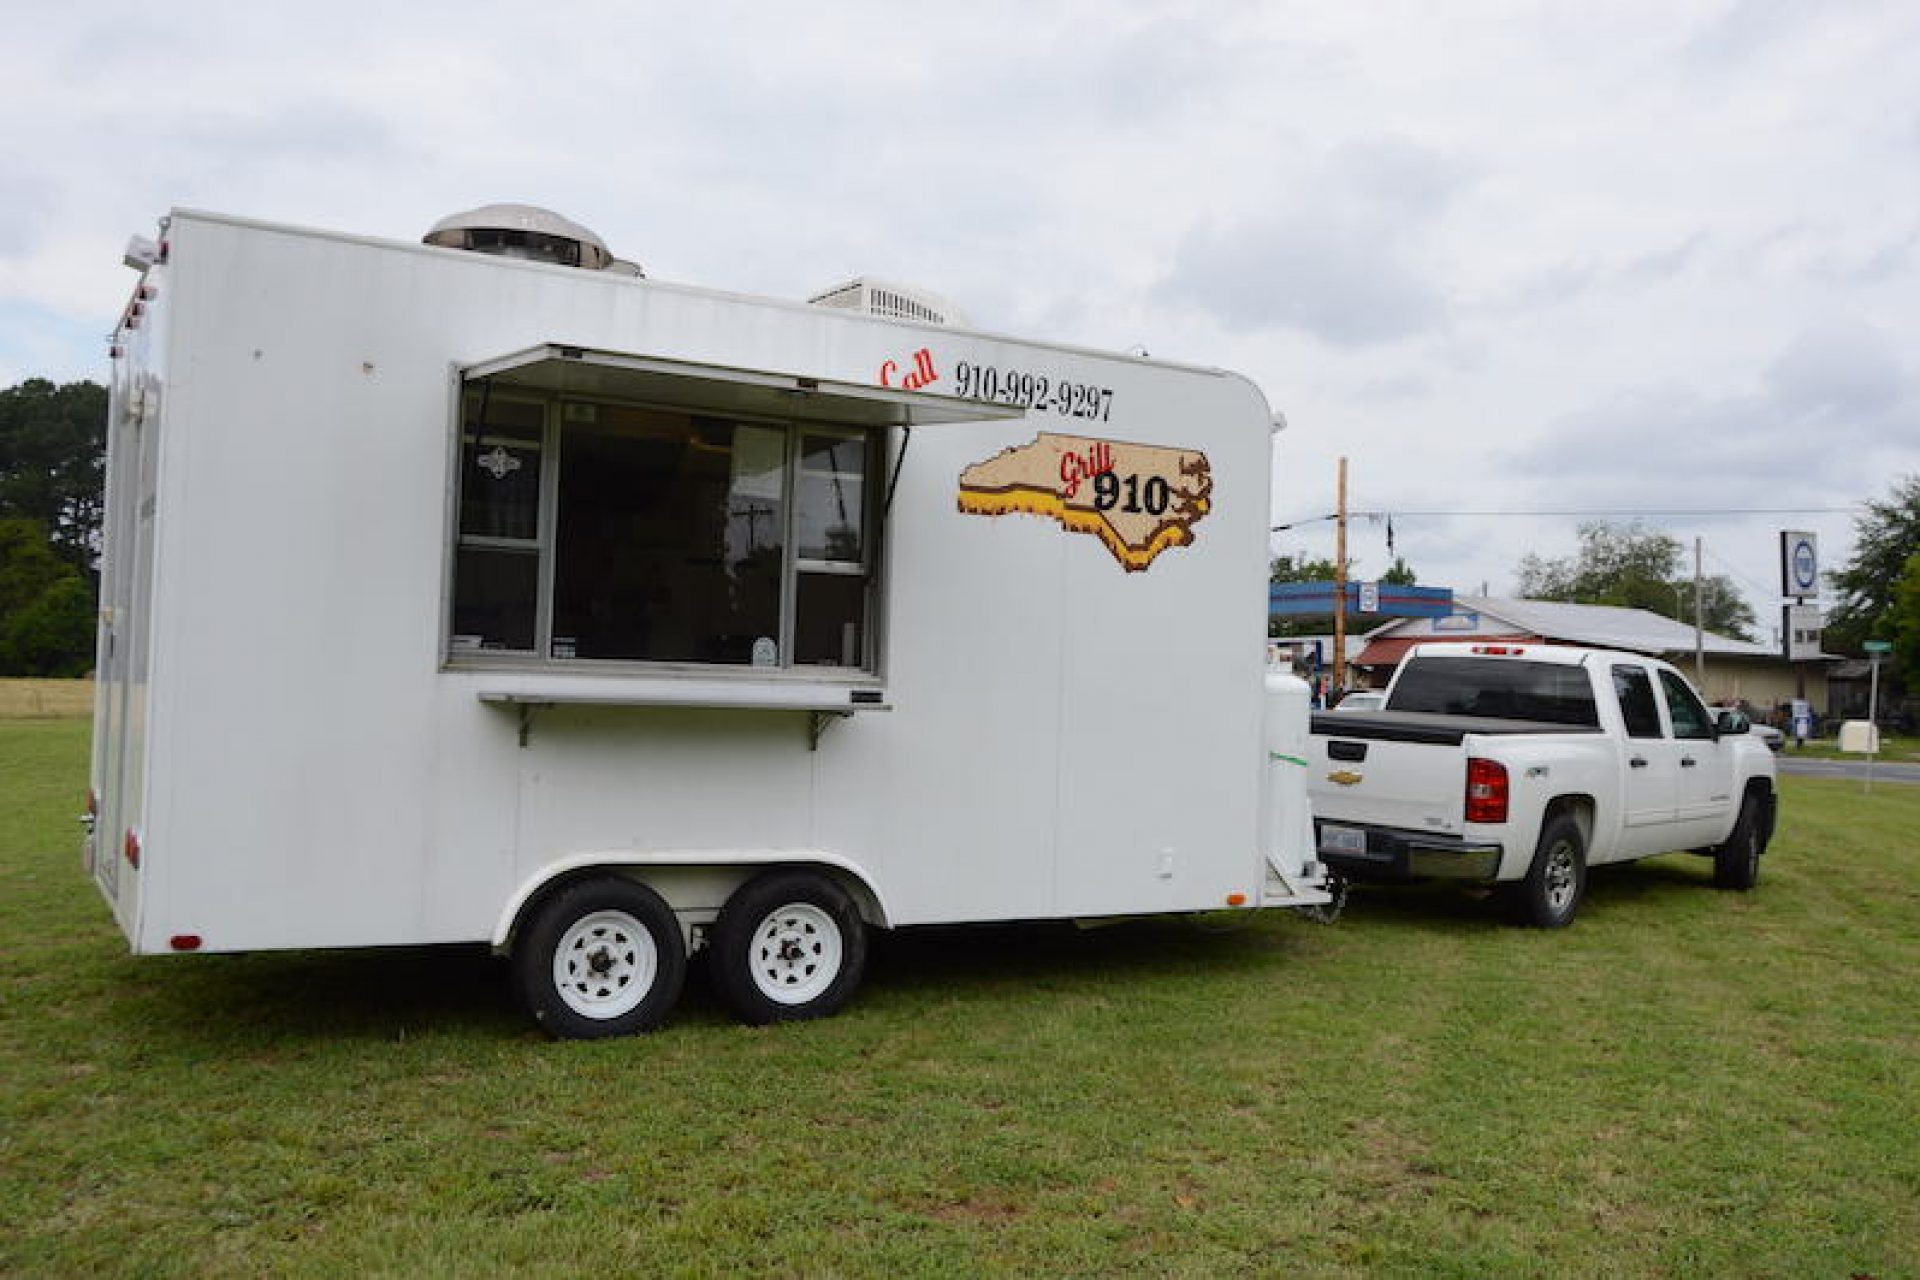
617	508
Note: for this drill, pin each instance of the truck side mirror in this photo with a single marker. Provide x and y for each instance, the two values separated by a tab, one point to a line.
1730	724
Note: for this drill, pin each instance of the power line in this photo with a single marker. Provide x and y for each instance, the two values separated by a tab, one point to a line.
1674	513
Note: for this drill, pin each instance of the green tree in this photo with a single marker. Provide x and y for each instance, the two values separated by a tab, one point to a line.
52	458
1886	538
1633	567
1904	623
1301	569
46	606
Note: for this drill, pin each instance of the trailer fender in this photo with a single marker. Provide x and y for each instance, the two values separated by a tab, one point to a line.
744	863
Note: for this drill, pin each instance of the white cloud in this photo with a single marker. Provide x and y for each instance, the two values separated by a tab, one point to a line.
1502	258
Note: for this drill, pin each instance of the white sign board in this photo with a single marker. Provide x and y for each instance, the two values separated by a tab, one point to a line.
1369	597
1800	626
1799	565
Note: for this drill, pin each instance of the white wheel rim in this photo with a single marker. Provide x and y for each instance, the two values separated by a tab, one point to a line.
795	954
605	964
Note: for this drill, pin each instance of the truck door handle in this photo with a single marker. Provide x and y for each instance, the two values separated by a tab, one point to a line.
1686	762
1638	762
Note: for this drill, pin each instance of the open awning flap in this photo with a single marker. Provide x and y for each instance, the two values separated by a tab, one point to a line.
578	371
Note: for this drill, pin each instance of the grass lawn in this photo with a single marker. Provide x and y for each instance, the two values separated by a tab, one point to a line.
1688	1082
1893	747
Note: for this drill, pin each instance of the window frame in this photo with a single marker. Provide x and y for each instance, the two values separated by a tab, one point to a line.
553	407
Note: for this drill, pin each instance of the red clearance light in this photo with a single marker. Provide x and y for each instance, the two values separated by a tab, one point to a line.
93	803
184	942
131	847
1486	791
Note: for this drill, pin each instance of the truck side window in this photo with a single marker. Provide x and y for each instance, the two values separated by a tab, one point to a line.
1637	707
1690	719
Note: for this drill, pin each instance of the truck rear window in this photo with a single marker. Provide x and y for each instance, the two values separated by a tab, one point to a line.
1497	688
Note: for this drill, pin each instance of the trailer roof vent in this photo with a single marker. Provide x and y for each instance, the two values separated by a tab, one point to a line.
892	301
529	232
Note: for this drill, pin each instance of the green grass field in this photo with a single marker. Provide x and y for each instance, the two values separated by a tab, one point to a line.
1686	1083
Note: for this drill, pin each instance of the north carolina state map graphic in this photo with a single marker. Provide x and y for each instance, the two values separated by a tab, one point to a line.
1138	499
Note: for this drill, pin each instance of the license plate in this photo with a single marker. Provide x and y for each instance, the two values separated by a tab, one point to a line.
1343	840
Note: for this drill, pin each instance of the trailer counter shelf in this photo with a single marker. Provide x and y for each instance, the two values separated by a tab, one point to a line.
406	642
822	702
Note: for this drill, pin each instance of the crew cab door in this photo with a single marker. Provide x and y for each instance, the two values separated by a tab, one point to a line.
1650	781
1706	767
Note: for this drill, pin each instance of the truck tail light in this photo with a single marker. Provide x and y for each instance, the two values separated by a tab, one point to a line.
1486	791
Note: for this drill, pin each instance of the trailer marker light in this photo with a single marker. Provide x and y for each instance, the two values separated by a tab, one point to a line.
131	848
184	942
1236	899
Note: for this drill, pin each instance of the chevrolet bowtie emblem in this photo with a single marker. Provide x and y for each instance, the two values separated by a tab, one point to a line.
1344	777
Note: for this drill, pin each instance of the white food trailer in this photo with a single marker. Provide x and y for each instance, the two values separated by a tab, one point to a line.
511	597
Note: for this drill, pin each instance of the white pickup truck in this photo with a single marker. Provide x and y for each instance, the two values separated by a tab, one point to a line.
1522	765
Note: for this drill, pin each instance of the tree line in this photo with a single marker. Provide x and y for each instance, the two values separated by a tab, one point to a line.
53	448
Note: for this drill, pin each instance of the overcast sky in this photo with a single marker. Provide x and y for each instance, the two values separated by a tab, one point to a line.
1622	257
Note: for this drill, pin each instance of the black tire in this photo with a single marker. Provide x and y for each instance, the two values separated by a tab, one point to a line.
788	945
1736	864
600	957
1556	883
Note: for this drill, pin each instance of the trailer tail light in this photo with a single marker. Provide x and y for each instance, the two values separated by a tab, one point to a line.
131	848
1486	791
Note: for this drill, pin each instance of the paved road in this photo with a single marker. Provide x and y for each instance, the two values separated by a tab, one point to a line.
1883	771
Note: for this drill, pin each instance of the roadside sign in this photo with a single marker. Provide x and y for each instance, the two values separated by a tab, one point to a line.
1800	625
1799	565
1878	646
1369	597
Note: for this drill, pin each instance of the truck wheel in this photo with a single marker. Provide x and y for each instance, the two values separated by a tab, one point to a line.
788	945
1736	864
1557	880
601	957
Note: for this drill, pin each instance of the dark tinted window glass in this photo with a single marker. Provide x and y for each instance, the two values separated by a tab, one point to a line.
1690	719
1498	688
493	599
670	536
1637	707
500	469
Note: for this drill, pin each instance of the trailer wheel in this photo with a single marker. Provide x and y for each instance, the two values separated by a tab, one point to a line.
1557	880
1736	864
788	945
601	957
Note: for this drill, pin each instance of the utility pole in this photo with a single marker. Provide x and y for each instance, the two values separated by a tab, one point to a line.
1340	584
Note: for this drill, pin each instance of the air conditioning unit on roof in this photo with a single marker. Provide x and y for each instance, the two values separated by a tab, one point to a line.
892	301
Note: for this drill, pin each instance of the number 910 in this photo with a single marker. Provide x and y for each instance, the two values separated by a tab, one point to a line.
1130	494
